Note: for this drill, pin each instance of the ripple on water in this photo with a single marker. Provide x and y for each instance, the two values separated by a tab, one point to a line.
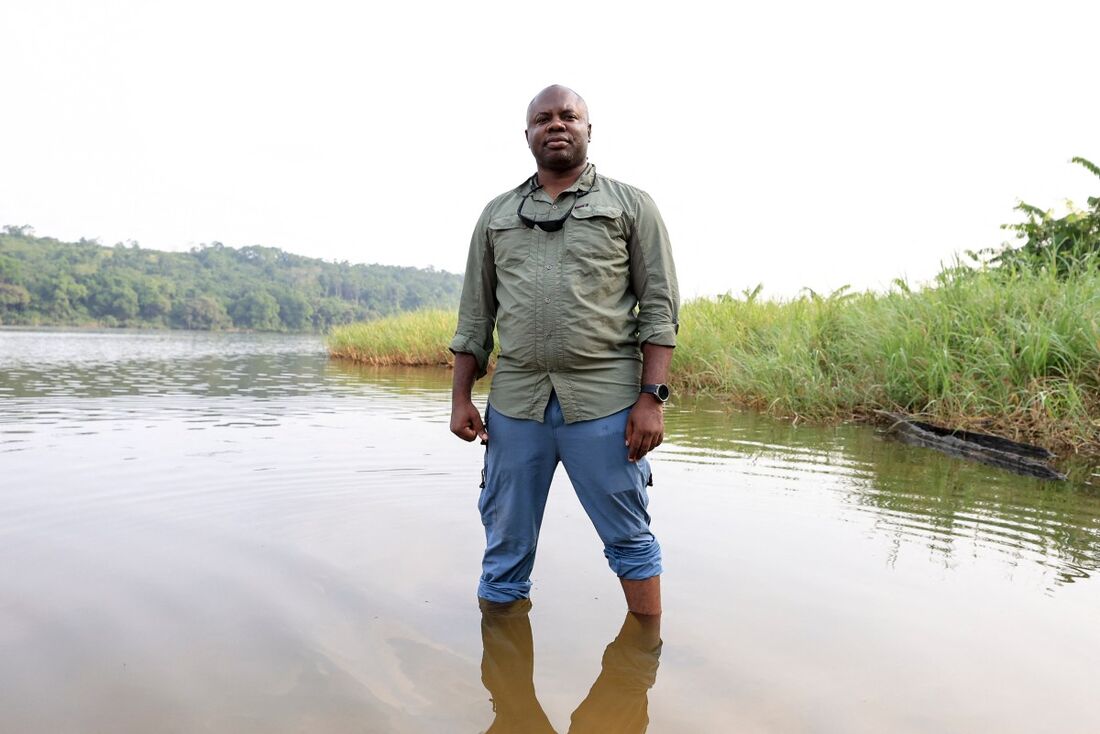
202	493
905	492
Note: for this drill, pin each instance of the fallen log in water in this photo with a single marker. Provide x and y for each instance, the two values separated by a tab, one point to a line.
993	450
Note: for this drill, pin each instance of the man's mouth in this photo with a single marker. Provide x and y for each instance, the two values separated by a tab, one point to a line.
557	143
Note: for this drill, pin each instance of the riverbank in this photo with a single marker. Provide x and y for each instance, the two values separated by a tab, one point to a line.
1013	353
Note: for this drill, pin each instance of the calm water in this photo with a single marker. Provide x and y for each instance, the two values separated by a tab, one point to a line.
227	533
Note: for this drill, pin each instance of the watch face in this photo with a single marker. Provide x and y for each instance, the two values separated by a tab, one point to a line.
661	392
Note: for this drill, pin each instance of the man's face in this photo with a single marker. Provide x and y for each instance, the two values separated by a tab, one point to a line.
558	130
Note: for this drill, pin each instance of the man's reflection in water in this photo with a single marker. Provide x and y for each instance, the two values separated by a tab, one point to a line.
617	702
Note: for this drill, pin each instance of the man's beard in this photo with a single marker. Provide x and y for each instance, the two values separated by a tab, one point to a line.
562	160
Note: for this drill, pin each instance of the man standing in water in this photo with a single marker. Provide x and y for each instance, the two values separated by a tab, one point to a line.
575	272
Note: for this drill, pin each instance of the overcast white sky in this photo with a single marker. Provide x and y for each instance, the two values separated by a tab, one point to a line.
794	144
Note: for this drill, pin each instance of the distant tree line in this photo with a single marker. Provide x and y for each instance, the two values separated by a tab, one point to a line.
47	282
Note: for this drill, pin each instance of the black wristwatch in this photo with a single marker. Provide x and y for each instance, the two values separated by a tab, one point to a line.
661	391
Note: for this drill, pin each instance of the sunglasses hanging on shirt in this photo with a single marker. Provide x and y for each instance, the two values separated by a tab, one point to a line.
552	225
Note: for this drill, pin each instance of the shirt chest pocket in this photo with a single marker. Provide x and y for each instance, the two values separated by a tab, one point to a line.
597	237
511	240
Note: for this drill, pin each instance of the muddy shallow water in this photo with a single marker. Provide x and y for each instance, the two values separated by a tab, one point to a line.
231	533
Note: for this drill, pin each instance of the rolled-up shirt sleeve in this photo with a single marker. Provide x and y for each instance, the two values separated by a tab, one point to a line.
477	309
653	277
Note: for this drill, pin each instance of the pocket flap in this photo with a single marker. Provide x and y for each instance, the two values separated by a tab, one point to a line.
587	212
511	221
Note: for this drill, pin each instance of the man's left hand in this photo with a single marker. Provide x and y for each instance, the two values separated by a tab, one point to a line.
645	428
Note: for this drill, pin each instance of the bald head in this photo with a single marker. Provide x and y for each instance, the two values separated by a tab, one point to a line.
558	130
556	93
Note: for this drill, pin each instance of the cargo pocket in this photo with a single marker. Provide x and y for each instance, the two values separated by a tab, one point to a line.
596	250
512	241
598	231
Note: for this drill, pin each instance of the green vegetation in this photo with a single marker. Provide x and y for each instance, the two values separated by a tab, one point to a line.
1064	243
47	282
1010	345
416	338
1016	353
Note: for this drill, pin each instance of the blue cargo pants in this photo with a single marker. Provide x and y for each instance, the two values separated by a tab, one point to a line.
520	460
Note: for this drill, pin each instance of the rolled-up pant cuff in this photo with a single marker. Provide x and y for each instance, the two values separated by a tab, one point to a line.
503	591
635	560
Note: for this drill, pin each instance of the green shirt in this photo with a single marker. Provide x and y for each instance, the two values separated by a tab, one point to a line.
573	307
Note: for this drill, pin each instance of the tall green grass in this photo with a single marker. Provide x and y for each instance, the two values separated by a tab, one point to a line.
1012	351
413	338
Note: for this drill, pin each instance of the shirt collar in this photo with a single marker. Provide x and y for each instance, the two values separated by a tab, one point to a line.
586	181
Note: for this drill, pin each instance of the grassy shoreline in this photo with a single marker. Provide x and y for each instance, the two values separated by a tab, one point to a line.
1013	353
414	338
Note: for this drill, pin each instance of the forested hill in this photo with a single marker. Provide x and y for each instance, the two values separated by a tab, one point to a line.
47	282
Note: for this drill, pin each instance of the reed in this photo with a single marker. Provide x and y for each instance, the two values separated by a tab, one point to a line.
1016	352
411	338
1013	352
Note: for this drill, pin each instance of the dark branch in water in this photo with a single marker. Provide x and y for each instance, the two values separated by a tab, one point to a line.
1021	458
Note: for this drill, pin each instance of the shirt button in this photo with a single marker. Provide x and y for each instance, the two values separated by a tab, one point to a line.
555	206
549	267
547	300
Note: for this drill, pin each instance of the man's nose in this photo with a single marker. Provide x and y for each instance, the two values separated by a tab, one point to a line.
557	124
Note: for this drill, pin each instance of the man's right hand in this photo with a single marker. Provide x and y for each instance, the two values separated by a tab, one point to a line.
466	422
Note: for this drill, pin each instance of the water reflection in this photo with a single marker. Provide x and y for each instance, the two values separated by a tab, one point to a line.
232	533
120	364
953	507
79	383
914	495
618	701
71	381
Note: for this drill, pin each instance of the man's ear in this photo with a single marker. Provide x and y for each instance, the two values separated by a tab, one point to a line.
590	132
528	137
